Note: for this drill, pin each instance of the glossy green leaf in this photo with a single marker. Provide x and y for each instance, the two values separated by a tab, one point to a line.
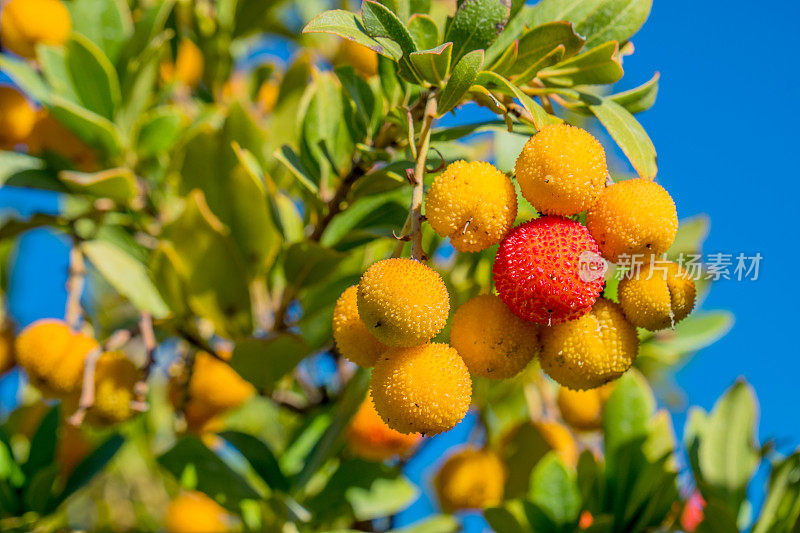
25	77
424	31
118	184
541	40
260	457
700	329
433	65
627	133
627	414
43	443
13	163
640	98
358	211
476	24
349	25
596	66
503	64
554	490
781	510
379	21
464	75
214	476
517	25
55	69
127	275
107	23
292	162
94	129
551	58
263	362
93	77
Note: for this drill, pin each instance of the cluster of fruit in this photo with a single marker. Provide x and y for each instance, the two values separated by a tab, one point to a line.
548	275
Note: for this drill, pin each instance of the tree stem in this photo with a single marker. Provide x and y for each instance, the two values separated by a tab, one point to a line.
75	282
419	180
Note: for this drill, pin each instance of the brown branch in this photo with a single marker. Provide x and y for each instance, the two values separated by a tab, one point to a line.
76	281
335	203
417	195
149	340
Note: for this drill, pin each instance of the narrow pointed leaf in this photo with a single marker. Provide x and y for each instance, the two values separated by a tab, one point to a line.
464	75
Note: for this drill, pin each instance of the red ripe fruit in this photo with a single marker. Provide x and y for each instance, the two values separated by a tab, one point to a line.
538	275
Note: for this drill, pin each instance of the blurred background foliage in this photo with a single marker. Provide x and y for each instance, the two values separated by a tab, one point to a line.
228	168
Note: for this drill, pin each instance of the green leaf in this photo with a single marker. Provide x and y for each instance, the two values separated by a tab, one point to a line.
524	448
424	31
464	75
692	233
717	518
159	132
25	77
781	510
542	40
43	444
263	362
118	184
349	220
127	275
210	268
260	458
292	162
694	333
501	519
627	133
435	524
434	64
308	263
503	64
362	96
593	67
93	77
13	163
107	23
348	25
727	453
627	414
552	58
476	24
95	130
38	493
214	477
640	98
555	490
90	466
53	62
516	26
539	117
384	497
379	21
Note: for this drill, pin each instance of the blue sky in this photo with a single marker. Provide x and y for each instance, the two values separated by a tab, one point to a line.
724	126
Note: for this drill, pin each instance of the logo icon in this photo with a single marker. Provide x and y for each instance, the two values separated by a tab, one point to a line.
591	266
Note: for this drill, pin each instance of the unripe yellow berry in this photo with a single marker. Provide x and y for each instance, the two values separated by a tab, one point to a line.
370	438
114	380
267	95
493	341
194	512
17	117
364	60
633	217
658	296
583	410
593	350
214	388
53	356
402	302
353	339
470	479
562	170
474	204
26	23
559	438
425	389
188	67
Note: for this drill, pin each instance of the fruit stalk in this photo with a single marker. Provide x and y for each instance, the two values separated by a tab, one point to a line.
419	180
75	282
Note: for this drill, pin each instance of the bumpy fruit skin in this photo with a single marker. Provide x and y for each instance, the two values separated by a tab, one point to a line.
659	296
50	135
115	378
353	339
591	351
583	410
26	23
633	217
370	438
194	512
470	479
7	357
17	118
473	204
425	389
361	58
493	341
214	388
53	356
536	271
402	302
188	67
562	170
559	438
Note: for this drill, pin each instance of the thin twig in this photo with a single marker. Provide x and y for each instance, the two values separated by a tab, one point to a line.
419	181
76	280
335	203
150	345
114	342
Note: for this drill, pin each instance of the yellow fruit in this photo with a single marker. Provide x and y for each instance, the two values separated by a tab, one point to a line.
194	512
633	217
7	358
559	438
49	135
425	389
562	170
658	296
115	378
267	95
370	438
470	479
364	60
26	23
72	448
583	410
352	338
214	388
492	340
17	117
473	204
402	302
188	67
592	350
53	355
